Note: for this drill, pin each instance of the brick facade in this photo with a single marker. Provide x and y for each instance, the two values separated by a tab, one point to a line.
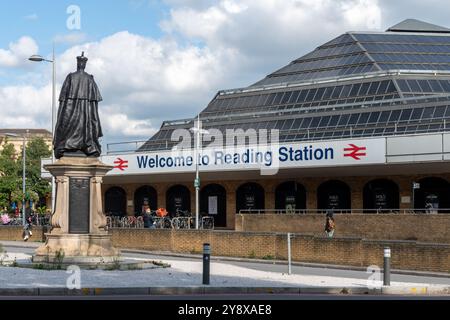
311	184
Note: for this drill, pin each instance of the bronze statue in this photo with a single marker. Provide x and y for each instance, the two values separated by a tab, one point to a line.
78	126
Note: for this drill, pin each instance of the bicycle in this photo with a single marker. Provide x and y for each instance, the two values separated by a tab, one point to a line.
208	222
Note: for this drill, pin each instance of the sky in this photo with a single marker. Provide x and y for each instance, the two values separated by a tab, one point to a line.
157	60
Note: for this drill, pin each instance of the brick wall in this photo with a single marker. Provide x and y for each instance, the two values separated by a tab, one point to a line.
426	228
408	255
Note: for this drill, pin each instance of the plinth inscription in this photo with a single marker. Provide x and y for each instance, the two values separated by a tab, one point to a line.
79	202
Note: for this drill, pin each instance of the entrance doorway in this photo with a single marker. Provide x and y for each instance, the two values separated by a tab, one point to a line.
381	194
148	194
433	195
213	202
333	194
115	202
290	196
250	196
178	197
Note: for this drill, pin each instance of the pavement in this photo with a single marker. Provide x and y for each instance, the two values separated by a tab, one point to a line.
228	276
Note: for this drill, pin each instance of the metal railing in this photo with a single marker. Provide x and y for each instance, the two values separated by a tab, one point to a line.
344	211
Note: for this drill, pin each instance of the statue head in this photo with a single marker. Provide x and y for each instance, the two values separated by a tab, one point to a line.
81	62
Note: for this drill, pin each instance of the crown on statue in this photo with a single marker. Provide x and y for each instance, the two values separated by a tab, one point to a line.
82	57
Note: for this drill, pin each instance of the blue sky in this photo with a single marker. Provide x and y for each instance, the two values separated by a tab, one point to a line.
157	60
45	19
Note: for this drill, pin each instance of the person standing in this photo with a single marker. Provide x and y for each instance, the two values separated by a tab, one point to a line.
330	225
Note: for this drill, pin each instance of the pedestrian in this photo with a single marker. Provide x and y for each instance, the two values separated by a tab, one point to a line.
27	233
330	225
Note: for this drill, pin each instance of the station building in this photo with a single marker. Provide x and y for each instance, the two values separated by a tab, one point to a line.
363	127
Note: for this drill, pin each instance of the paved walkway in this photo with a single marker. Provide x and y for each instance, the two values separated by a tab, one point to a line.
181	273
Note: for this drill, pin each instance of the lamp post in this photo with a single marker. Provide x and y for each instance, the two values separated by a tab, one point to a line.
198	147
38	58
24	155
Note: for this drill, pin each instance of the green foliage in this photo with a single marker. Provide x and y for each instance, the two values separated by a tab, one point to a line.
268	257
11	172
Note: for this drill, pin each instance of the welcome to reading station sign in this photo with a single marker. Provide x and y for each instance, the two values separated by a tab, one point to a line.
265	158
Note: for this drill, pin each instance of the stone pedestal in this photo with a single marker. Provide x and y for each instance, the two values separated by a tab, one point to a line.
78	234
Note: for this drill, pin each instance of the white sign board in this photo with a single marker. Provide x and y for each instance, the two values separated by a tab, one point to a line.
212	205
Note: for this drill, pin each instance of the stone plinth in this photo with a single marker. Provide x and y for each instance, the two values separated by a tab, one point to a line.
78	232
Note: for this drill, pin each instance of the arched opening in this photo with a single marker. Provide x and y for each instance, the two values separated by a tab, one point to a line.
250	196
290	196
432	195
115	202
213	202
381	194
178	197
333	194
145	194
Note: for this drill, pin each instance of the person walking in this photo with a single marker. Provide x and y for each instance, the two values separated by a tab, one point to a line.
330	225
27	233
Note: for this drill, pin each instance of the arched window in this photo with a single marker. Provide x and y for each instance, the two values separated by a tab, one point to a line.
381	194
145	193
178	197
290	196
116	201
213	202
333	194
432	195
250	196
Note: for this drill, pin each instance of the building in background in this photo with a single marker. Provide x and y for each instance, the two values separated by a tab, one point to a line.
15	136
363	128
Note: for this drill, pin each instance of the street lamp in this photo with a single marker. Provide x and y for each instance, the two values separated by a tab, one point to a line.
198	147
24	154
38	58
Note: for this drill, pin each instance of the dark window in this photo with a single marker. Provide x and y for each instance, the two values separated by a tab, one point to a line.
336	92
353	118
383	86
439	112
302	96
311	94
319	94
364	89
354	90
314	122
363	118
324	121
435	86
395	114
286	97
373	88
269	101
403	86
334	121
327	93
405	114
374	117
278	98
384	116
425	86
294	97
344	119
306	122
414	86
417	114
428	113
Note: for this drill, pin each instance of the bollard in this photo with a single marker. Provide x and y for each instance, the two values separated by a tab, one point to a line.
289	253
387	267
206	261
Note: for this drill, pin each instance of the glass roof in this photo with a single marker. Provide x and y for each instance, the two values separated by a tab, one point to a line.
378	103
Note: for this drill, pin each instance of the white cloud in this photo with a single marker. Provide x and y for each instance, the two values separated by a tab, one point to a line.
18	52
206	47
70	38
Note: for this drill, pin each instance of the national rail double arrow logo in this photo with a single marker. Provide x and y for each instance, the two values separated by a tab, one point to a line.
121	164
355	152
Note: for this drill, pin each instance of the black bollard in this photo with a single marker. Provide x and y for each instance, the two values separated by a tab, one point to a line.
206	259
387	267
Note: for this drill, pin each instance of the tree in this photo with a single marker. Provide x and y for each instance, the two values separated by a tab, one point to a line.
36	149
9	180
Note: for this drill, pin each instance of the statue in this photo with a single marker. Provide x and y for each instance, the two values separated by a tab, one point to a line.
78	125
